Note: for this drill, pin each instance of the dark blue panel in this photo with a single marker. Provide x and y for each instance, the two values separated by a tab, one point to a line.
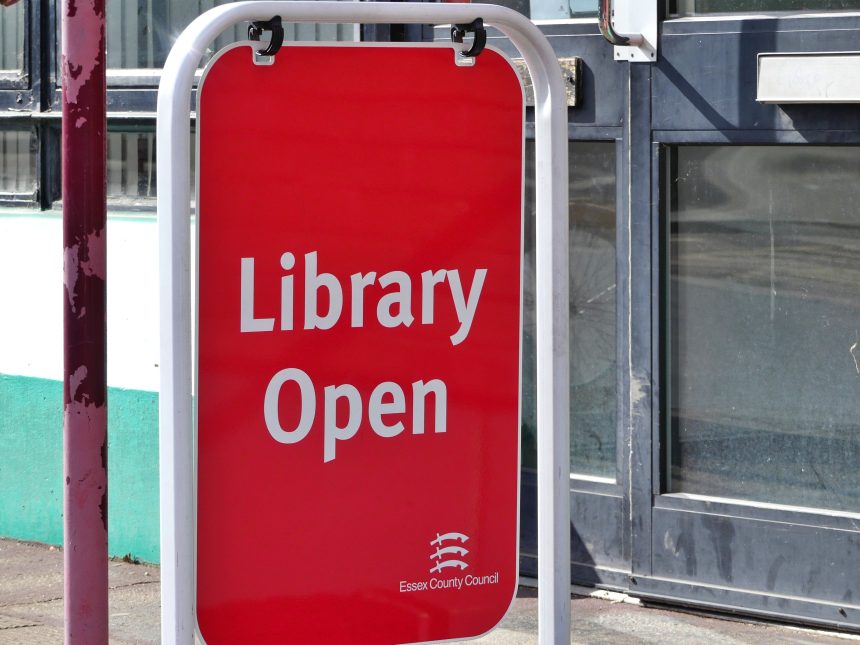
595	534
707	80
778	558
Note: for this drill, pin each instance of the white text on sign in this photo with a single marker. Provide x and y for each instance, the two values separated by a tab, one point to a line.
393	308
386	400
387	406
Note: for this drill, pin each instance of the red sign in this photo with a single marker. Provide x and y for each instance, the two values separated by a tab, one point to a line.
359	345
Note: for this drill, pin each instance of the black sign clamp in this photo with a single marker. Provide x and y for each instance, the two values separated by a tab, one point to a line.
256	29
458	32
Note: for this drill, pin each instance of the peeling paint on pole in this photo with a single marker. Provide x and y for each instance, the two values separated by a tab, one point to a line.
84	268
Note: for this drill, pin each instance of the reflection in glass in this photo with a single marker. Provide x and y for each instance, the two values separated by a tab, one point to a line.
592	309
701	7
12	37
17	162
764	324
554	9
131	165
140	34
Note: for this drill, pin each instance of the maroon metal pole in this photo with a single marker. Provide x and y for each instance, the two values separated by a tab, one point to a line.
85	382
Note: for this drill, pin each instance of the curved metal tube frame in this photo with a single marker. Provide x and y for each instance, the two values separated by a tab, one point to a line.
604	20
176	455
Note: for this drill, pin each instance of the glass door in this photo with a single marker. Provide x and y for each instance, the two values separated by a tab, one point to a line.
754	430
715	315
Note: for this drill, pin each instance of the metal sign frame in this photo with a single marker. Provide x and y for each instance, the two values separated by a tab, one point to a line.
176	405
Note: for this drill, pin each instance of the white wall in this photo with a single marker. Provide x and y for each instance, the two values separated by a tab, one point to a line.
31	298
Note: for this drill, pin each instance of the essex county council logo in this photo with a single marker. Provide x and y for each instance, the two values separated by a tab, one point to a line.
448	556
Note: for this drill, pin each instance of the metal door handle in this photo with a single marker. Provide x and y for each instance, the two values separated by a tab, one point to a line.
604	19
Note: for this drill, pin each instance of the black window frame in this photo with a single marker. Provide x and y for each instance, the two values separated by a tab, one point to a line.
25	103
11	79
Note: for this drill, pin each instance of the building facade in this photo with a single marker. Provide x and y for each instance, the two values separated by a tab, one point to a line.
715	302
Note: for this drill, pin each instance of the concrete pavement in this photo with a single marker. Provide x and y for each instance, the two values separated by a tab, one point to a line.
31	597
31	612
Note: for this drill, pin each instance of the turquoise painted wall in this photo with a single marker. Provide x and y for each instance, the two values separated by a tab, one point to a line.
31	465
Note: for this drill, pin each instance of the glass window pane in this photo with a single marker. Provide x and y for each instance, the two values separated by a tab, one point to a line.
517	5
554	9
131	166
702	7
764	324
18	150
12	37
132	177
592	310
140	33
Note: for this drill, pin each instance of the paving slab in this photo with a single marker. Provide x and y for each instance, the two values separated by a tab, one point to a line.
31	612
